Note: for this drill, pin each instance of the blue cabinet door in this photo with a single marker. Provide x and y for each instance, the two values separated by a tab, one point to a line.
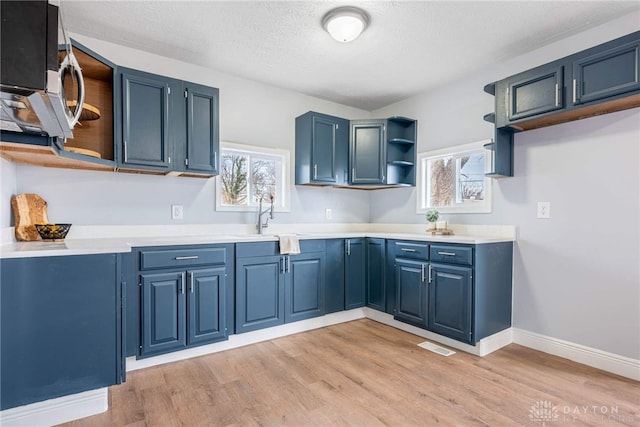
605	73
202	135
376	294
206	305
304	286
259	292
450	301
335	276
163	312
60	327
368	152
411	295
535	92
145	120
355	273
322	149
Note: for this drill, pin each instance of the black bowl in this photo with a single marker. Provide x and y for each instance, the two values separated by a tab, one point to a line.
53	231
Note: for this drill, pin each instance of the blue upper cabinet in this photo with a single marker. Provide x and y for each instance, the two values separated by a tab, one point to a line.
145	120
602	73
599	80
401	151
383	152
202	142
367	151
168	126
536	92
362	153
322	149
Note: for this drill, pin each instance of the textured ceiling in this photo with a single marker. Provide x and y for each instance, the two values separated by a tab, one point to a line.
409	46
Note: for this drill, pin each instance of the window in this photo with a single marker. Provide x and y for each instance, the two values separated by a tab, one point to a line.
249	173
452	180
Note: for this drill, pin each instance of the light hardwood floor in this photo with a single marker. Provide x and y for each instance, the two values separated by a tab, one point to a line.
363	373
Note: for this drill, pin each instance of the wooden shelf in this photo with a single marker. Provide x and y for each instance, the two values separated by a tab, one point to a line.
89	112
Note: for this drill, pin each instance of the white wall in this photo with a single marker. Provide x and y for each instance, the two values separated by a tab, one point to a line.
7	189
576	275
250	113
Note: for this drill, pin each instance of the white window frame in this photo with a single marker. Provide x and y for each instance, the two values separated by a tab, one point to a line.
284	201
423	184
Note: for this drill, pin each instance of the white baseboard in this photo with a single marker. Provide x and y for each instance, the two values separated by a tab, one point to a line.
57	411
614	363
482	348
240	340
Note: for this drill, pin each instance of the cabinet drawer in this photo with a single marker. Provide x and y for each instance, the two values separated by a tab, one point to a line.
413	250
181	257
452	254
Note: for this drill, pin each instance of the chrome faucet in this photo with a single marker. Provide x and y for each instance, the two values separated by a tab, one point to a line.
261	226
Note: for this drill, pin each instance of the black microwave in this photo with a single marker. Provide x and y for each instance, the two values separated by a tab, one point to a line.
41	84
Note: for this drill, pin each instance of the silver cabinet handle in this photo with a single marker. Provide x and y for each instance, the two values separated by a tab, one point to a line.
447	253
422	272
182	283
182	258
192	283
315	171
288	264
430	275
348	247
557	97
575	94
407	250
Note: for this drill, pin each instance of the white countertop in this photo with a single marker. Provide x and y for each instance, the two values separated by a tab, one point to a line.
86	242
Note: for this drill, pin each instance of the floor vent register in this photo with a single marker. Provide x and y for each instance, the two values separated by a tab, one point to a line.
436	348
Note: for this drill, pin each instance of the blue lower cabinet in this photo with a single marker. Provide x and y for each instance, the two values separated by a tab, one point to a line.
376	293
60	323
163	312
334	291
273	289
182	308
186	306
450	307
206	305
304	286
463	292
411	292
355	273
259	292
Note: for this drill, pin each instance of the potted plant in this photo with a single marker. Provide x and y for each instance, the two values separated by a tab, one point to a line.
432	217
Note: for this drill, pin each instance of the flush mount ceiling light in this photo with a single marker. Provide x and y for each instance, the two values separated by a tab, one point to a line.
345	23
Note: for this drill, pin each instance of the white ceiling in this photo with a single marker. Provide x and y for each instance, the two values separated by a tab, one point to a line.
409	46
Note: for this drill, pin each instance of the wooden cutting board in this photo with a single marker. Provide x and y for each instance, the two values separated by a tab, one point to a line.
28	209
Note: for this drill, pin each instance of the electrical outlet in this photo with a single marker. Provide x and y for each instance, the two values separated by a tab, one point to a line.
177	212
328	214
544	209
